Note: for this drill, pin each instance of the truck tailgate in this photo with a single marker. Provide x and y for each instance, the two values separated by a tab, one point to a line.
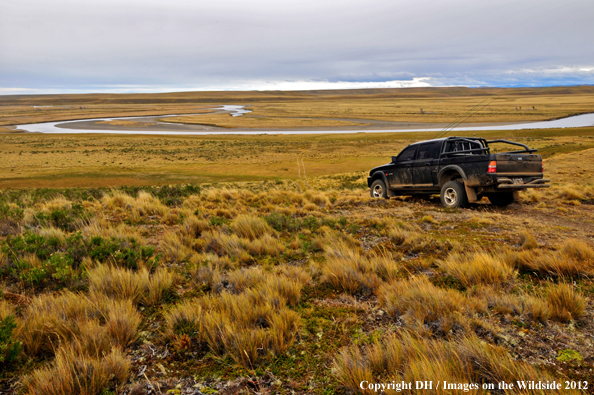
518	163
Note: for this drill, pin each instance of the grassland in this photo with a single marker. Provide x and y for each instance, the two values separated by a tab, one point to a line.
33	160
304	286
258	264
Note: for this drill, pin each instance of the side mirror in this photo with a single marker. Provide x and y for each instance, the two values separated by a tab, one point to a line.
394	159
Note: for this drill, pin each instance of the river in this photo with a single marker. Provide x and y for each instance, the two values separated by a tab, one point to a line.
71	127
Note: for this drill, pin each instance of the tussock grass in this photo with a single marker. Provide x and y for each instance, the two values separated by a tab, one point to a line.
250	227
6	309
349	270
248	319
124	284
423	306
247	326
174	247
50	321
566	304
527	241
478	268
76	373
573	259
502	303
144	205
578	251
407	356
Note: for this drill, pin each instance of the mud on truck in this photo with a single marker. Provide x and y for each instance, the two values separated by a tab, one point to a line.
461	170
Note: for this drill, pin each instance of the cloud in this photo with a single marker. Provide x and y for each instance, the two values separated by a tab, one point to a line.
229	44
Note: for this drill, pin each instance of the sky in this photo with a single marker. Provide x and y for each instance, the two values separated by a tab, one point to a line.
84	46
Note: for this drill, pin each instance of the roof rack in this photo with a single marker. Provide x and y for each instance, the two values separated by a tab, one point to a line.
526	149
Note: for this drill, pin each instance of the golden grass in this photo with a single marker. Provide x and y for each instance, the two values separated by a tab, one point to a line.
142	287
423	306
76	373
250	227
50	321
566	303
478	268
246	326
406	357
6	309
573	259
348	270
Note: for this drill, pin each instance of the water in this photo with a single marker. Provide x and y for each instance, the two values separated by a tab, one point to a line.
235	110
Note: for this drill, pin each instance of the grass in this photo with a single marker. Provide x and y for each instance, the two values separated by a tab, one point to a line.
279	282
478	268
402	358
238	280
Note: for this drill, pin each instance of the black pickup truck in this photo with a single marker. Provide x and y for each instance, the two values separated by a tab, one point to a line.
461	169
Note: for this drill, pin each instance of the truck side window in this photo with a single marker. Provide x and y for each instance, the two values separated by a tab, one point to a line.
429	151
454	146
407	154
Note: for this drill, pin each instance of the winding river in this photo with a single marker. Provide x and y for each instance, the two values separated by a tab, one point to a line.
160	127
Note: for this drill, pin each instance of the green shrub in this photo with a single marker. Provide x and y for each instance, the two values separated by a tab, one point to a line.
9	348
125	253
64	218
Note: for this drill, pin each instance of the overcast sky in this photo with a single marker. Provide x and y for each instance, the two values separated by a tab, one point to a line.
153	45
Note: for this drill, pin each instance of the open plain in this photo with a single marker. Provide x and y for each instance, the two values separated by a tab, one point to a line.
258	264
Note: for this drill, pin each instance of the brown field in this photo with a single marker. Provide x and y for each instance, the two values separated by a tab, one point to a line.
259	264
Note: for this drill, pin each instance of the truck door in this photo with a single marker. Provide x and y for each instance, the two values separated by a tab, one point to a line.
424	168
401	175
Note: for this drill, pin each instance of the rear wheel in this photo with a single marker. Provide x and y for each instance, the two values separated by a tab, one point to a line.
501	199
378	189
453	194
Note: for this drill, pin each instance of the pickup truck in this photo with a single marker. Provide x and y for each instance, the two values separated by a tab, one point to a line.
461	170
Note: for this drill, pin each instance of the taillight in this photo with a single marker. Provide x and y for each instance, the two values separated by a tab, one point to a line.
542	167
492	167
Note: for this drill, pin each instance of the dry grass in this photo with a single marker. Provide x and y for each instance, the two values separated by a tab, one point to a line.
6	309
478	268
50	321
423	306
124	284
248	320
246	326
76	373
279	275
573	259
250	227
349	270
406	357
527	241
566	303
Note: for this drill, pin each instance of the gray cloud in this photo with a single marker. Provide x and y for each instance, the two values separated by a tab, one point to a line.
171	45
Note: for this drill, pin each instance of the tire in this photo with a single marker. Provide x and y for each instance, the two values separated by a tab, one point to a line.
378	189
501	199
453	194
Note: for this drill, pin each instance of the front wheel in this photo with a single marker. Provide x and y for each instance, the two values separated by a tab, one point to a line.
501	199
378	189
453	194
